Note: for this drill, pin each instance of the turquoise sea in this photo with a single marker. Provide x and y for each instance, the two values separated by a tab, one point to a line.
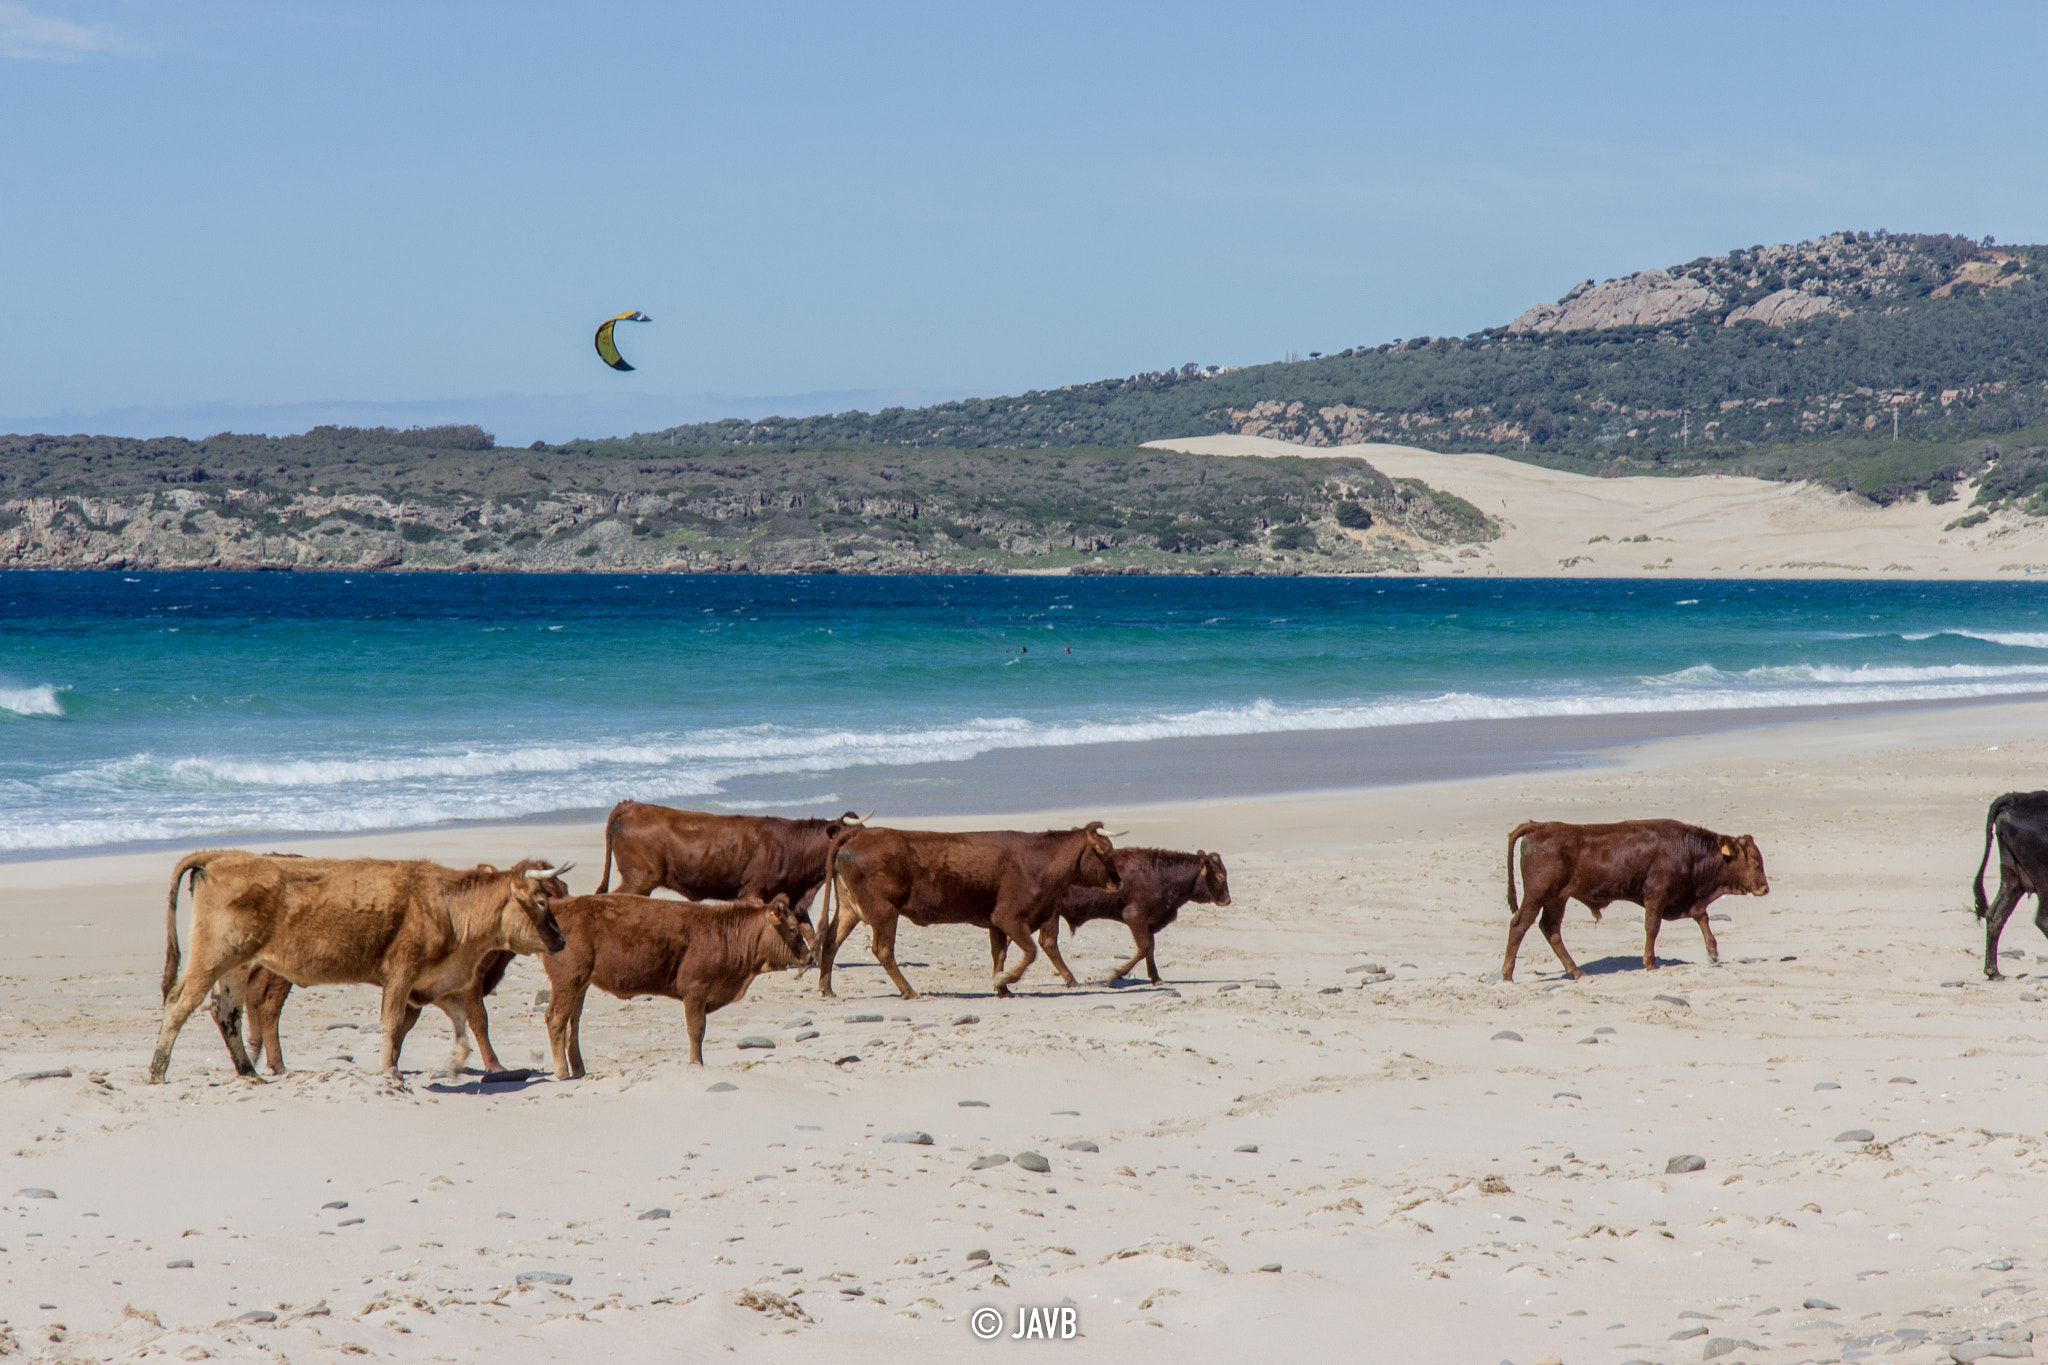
147	706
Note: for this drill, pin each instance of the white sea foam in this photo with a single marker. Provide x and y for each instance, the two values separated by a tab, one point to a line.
2018	639
31	701
154	796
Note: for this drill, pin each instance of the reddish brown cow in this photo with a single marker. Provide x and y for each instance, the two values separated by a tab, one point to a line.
266	992
703	955
1673	870
1003	881
1156	883
704	857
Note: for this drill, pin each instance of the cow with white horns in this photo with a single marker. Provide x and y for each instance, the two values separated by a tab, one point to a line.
417	930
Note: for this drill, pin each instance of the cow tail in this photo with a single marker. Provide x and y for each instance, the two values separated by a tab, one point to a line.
1514	837
194	863
604	883
1998	808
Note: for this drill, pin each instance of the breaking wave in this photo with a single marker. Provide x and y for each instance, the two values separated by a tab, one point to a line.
31	701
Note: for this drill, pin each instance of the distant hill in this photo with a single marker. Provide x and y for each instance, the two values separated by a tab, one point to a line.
1687	367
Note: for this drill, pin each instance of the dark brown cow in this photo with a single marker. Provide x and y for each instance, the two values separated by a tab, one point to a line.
703	955
1673	870
704	857
1003	881
1156	883
266	992
416	929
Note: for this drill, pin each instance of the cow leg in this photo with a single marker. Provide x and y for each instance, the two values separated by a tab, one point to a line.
693	1020
576	1040
458	1056
1652	921
480	1025
1699	916
2010	889
885	953
1553	933
1022	939
1049	941
998	950
1141	951
266	1012
394	1018
558	1029
1518	929
831	939
209	958
227	1016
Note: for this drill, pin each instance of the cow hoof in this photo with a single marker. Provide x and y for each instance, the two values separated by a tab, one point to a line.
1994	976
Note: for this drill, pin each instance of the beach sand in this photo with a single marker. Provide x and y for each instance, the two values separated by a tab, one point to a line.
1427	1189
1706	526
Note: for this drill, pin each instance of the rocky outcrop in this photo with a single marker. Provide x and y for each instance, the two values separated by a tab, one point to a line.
1650	298
1780	308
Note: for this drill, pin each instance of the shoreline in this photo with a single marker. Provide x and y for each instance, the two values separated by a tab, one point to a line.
1139	774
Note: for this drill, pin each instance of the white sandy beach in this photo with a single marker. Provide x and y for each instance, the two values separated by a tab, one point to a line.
1428	1192
1710	526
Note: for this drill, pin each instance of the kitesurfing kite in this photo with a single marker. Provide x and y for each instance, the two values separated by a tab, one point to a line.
607	351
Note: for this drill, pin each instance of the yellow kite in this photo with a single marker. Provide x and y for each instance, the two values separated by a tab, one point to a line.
607	351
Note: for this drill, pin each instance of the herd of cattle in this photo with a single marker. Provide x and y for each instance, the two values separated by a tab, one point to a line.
431	935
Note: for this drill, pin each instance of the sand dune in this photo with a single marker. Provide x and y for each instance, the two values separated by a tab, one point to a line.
1578	526
1422	1188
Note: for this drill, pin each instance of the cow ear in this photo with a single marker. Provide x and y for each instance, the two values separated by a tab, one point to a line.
1727	849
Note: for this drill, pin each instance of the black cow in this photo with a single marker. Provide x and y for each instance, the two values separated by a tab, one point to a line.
2020	820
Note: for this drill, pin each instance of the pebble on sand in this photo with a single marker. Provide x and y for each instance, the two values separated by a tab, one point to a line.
863	1018
974	1104
1822	1304
2003	1263
1032	1161
177	1265
978	1255
651	1214
349	1222
966	1019
1679	1165
1902	1080
335	1204
911	1136
1566	1095
1685	1333
1677	1000
1331	990
1082	1145
807	1035
61	1074
1270	1268
719	1087
1267	985
1248	1147
35	1192
848	1059
1856	1135
1827	1085
257	1315
982	1163
543	1277
1507	1035
756	1040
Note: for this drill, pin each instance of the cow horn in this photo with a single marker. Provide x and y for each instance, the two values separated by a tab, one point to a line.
1118	835
541	874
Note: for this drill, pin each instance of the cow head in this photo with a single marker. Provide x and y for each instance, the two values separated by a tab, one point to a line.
1212	880
530	925
1743	867
787	936
1097	863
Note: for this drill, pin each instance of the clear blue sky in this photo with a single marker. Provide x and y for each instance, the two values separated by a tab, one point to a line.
272	203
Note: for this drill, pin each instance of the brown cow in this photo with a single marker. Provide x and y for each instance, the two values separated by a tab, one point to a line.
1673	870
266	993
703	955
1003	881
1156	883
705	857
416	929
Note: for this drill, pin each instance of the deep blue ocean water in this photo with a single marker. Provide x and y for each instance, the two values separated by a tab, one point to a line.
156	706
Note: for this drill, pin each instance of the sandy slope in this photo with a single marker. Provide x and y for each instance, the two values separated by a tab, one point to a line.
1710	526
1429	1191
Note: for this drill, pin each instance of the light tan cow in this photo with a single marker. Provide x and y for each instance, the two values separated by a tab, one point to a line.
416	929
